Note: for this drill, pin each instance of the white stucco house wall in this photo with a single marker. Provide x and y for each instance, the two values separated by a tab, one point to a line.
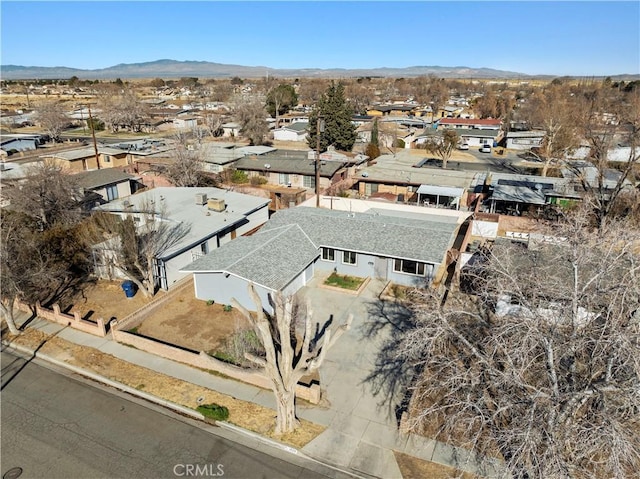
293	132
231	129
524	140
185	123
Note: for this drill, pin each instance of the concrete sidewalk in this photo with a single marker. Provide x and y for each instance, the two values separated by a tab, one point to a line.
361	435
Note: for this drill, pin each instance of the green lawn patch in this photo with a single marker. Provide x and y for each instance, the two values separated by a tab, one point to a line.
214	411
344	281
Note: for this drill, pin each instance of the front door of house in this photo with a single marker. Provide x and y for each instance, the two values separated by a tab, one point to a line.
380	268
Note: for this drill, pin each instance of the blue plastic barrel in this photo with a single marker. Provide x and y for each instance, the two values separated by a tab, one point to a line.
129	288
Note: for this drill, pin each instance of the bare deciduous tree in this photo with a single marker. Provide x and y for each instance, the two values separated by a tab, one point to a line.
606	123
252	118
35	265
212	122
122	110
494	104
443	145
51	117
554	111
311	90
291	353
542	368
49	194
21	263
222	91
437	93
359	95
134	249
186	169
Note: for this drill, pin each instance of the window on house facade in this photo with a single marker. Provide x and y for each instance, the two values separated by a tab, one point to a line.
309	181
370	188
349	257
107	158
283	178
328	254
409	267
204	248
112	192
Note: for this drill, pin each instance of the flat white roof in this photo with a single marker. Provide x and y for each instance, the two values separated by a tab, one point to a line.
440	191
401	209
178	205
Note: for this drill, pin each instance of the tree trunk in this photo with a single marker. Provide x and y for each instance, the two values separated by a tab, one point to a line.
150	280
7	313
286	402
141	287
545	168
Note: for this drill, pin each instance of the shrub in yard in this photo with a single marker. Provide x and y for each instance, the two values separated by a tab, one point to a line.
241	342
239	177
258	180
214	411
399	292
227	308
372	151
344	281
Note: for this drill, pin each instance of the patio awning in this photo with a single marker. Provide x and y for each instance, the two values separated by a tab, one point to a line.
518	194
440	191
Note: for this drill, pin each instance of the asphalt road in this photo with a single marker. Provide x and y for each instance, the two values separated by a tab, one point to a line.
58	426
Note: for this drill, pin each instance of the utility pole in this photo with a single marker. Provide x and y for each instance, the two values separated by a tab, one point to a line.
319	129
93	134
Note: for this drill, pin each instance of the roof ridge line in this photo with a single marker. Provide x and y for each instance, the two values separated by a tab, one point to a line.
306	235
263	244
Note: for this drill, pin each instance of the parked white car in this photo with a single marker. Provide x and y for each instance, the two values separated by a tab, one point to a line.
486	148
463	146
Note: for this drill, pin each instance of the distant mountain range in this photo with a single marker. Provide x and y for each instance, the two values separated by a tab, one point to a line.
177	69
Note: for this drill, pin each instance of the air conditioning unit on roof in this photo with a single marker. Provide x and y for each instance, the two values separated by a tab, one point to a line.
216	204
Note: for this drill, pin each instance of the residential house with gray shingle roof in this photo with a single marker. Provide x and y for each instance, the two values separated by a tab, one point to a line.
108	184
296	243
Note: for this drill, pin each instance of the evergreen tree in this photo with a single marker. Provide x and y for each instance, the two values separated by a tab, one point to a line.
374	133
336	112
280	99
373	148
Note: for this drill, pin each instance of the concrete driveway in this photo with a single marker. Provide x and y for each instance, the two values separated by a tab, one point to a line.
362	428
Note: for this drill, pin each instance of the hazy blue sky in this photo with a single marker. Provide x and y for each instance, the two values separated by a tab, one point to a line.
557	38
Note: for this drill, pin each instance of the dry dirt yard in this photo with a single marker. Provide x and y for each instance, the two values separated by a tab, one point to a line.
183	320
105	299
192	323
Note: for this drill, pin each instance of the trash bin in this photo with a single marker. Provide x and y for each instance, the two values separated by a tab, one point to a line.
129	288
